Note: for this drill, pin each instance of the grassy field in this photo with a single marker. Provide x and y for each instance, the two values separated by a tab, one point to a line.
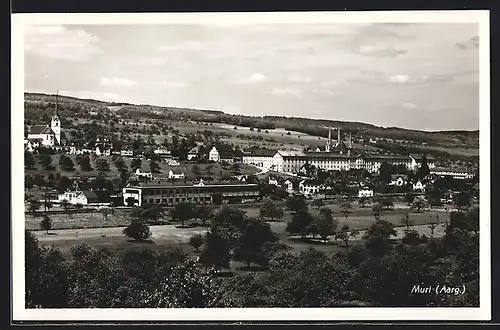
93	229
359	218
186	168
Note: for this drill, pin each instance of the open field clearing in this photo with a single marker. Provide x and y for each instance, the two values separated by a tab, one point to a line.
359	218
187	168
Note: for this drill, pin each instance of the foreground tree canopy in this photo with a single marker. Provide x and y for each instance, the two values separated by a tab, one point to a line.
380	272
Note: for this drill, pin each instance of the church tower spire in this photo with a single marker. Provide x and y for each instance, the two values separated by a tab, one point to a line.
55	123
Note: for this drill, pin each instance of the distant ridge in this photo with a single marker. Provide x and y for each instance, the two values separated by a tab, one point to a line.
349	125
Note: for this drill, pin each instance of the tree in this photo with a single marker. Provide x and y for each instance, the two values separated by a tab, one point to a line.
462	201
378	235
300	223
235	168
432	227
66	164
418	204
196	170
135	164
268	209
325	223
377	210
209	169
363	200
406	221
137	229
385	172
196	241
102	165
105	212
34	205
204	212
47	205
29	160
46	161
154	167
183	212
346	234
46	223
412	237
345	209
318	203
387	202
216	252
423	170
409	198
250	246
296	203
131	201
148	212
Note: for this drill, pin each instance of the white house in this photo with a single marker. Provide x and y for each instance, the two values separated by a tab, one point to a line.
260	158
172	175
102	150
457	173
289	186
163	153
214	155
172	162
32	144
193	153
126	153
310	187
78	197
365	192
418	186
273	181
148	175
398	180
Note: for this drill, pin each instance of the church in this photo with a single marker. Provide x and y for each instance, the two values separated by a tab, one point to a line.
46	135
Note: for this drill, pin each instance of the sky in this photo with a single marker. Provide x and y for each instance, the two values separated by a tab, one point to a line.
411	75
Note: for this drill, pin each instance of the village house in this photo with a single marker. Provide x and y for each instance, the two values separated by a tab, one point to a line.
193	153
214	155
365	192
163	153
126	153
173	175
398	180
418	186
310	187
78	197
456	173
148	175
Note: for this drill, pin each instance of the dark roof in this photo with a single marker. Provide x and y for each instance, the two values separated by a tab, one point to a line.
419	157
313	182
91	196
262	152
172	184
396	176
40	129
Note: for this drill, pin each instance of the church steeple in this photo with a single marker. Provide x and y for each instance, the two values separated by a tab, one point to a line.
57	102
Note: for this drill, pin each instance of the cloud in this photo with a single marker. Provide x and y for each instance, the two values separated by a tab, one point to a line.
62	43
380	51
256	78
87	94
117	82
409	105
166	84
300	79
288	91
469	44
399	78
186	45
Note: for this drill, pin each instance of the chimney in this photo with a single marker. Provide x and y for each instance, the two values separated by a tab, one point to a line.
329	135
350	140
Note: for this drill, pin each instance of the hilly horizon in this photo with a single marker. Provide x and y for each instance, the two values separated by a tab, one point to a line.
323	122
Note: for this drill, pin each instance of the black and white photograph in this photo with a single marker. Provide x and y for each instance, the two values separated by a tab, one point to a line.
249	166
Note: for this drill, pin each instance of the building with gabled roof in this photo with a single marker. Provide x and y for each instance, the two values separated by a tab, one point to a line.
49	135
